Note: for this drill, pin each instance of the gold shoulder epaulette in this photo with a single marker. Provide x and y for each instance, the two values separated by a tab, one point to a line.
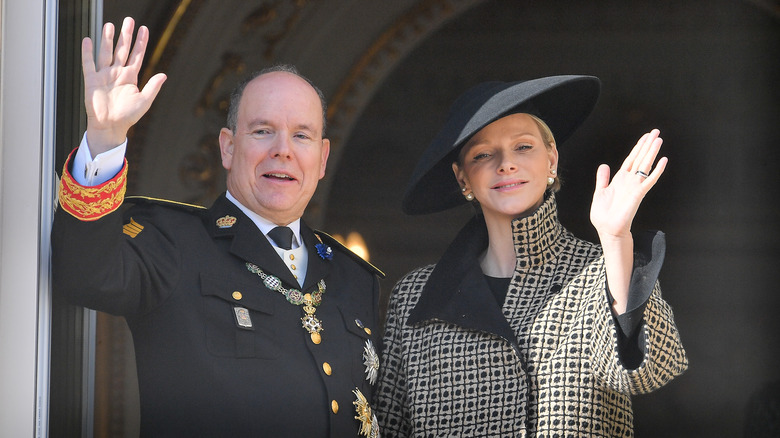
330	240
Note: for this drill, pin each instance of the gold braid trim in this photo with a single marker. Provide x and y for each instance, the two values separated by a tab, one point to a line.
91	203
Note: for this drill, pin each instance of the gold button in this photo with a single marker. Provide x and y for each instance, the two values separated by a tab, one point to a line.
334	406
292	256
326	368
292	266
237	295
316	338
296	277
367	330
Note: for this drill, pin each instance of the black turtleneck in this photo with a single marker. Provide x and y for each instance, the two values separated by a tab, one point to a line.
499	287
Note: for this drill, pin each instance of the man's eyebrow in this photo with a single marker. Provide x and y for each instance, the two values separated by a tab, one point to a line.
255	122
306	127
298	127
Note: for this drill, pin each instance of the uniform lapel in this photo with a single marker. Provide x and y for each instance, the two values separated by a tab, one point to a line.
248	243
318	268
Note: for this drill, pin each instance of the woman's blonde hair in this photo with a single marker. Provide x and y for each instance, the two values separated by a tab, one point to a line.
549	141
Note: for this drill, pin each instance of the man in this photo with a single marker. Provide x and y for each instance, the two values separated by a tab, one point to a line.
236	332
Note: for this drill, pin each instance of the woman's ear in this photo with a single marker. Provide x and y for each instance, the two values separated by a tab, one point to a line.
458	174
553	156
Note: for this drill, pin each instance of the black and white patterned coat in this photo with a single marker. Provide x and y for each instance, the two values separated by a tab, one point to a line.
546	363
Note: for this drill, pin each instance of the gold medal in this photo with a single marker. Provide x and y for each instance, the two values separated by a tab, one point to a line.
369	426
309	321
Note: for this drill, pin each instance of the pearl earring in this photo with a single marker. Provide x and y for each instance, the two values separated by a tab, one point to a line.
469	197
551	179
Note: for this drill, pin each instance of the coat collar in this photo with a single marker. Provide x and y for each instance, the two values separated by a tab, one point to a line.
249	244
536	237
318	268
457	292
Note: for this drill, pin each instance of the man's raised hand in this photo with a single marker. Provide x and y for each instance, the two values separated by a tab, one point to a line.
112	98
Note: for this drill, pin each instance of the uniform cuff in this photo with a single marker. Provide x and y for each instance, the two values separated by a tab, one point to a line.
91	203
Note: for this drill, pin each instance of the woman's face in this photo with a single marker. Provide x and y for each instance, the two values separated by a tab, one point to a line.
506	166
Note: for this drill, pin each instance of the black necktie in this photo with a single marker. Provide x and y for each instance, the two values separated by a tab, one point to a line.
282	236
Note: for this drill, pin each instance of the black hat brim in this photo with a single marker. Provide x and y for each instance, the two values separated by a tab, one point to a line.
563	102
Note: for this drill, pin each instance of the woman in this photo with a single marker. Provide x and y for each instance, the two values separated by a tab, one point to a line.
522	329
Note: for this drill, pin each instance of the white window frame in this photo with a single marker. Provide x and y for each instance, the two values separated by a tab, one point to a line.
28	74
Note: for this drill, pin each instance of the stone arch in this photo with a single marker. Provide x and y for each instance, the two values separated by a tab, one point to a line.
205	47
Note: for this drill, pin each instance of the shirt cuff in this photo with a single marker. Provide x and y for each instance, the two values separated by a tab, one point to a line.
93	172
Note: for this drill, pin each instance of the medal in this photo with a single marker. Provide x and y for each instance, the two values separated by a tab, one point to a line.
296	297
369	426
371	361
309	321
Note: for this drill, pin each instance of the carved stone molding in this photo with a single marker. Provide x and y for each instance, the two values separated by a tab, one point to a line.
265	28
378	60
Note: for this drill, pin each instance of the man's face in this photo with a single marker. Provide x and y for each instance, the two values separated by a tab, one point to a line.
277	155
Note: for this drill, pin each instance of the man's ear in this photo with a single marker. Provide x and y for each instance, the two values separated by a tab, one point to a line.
226	147
325	151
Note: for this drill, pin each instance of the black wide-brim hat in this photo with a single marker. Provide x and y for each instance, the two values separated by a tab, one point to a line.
563	102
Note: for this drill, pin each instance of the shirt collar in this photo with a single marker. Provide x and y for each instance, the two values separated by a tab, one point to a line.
264	225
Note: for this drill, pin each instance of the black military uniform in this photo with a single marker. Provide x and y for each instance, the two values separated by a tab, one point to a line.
218	352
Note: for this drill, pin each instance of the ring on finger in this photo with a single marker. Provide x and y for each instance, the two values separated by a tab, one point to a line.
642	174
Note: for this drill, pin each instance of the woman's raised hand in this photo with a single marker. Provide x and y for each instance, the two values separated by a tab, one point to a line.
112	98
615	203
